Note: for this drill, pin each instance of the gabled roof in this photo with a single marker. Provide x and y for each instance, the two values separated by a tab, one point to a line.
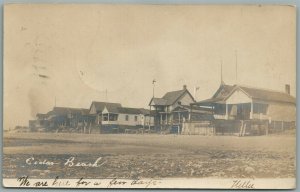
145	111
158	101
170	97
210	101
267	95
101	105
59	111
113	108
225	91
127	110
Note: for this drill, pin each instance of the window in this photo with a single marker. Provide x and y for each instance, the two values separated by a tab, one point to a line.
260	108
220	109
135	118
105	117
126	117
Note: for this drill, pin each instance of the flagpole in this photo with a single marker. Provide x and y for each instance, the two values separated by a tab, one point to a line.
153	89
236	68
153	84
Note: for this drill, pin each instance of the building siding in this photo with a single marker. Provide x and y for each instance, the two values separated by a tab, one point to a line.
186	99
141	119
238	97
93	109
282	112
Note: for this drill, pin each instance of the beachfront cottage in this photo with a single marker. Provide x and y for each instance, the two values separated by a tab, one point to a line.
97	108
274	109
40	123
69	119
171	109
125	119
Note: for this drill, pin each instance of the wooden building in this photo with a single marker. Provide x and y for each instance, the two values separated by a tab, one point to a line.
40	123
65	119
125	119
174	108
97	108
253	105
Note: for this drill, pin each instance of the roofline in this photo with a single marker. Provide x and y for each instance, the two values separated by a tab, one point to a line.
93	102
233	90
240	87
150	101
203	101
156	105
265	89
186	90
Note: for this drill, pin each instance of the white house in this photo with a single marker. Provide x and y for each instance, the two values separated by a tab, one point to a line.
240	102
171	109
125	117
97	108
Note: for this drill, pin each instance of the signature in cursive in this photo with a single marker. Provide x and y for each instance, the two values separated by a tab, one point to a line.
245	184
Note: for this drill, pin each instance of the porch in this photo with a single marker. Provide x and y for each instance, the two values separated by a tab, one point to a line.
236	111
109	118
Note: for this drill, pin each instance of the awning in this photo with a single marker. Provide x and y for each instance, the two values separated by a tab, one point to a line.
209	102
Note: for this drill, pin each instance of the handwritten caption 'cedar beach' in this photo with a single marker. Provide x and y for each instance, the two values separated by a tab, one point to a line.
70	162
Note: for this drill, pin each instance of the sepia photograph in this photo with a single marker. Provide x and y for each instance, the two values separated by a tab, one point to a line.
149	96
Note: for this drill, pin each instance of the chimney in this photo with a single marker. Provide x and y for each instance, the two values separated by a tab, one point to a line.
287	89
184	87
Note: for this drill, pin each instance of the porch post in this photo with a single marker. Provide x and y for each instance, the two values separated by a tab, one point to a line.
167	123
190	112
251	113
226	116
150	118
160	121
178	123
108	117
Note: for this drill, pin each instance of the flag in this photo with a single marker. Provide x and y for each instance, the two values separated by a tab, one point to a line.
154	81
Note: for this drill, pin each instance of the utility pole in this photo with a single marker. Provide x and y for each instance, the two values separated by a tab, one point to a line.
222	82
153	85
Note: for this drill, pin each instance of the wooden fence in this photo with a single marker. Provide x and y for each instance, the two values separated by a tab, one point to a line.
198	128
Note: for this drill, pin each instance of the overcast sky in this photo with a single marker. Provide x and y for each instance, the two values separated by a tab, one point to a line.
76	52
